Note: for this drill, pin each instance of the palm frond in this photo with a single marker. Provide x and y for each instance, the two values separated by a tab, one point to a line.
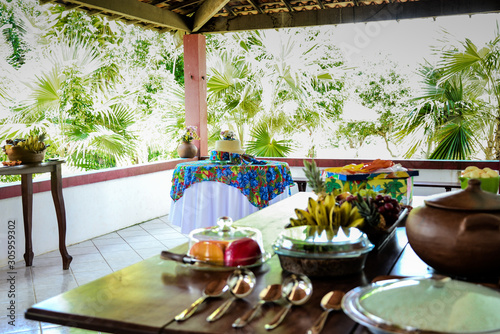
265	146
455	143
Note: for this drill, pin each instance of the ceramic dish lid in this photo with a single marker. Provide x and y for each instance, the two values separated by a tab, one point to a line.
225	231
473	198
425	305
314	241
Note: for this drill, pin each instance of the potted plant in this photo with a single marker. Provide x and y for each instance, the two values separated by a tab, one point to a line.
186	148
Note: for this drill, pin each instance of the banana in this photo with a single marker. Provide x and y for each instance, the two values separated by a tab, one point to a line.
311	205
329	202
327	213
345	210
305	216
297	222
321	215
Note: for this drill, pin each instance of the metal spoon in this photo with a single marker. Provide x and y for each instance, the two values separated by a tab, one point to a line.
332	301
241	283
297	289
270	294
214	289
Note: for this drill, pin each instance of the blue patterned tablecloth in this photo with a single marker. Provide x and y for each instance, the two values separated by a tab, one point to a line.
260	183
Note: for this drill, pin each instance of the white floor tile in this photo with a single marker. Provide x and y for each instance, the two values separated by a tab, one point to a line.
90	266
21	325
92	259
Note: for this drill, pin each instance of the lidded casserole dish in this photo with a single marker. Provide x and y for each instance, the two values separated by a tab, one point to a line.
316	251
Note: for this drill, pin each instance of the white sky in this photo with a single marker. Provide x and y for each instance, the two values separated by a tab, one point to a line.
409	41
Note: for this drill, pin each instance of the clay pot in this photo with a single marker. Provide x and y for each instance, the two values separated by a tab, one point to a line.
16	153
187	150
458	233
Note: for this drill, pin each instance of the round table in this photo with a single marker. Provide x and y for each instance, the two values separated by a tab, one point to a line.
203	191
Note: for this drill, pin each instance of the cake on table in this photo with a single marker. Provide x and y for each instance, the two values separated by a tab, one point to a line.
226	146
231	146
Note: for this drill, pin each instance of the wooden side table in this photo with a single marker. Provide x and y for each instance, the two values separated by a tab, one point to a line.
26	171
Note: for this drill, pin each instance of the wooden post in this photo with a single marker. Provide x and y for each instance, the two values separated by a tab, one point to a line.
195	87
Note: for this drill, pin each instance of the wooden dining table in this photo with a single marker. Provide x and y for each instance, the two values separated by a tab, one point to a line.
145	297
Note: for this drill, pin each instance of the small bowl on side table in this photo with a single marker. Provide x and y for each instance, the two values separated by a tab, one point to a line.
16	153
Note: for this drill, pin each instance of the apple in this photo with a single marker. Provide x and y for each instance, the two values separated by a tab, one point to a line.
242	252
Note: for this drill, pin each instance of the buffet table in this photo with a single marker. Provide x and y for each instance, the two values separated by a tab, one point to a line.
145	297
203	191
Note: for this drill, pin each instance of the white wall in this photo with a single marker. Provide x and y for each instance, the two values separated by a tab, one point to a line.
91	210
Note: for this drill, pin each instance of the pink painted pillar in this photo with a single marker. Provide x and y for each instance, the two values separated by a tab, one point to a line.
195	87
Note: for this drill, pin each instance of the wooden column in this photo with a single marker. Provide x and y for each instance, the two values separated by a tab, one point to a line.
195	87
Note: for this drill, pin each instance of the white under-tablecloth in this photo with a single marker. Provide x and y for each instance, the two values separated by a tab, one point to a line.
204	202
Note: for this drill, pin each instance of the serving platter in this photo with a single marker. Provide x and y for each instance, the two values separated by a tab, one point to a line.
190	262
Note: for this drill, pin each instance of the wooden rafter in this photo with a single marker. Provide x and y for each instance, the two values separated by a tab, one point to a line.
207	16
256	6
331	16
287	4
206	11
134	10
183	4
229	10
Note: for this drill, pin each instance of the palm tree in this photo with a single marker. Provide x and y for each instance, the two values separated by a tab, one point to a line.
270	85
483	67
66	99
459	105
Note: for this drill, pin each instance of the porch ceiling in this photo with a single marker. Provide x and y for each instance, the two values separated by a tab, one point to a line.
216	16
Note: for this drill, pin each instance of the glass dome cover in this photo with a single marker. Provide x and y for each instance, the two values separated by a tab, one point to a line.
225	231
425	305
314	241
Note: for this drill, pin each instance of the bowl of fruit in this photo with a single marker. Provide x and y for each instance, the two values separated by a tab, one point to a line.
489	178
322	251
30	150
374	213
223	247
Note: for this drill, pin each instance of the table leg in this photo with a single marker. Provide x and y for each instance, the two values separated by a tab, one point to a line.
27	199
56	188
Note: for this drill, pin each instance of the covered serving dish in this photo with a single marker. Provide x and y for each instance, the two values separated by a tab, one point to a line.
426	306
458	233
225	245
316	251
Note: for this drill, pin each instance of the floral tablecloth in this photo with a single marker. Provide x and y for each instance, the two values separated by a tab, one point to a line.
259	183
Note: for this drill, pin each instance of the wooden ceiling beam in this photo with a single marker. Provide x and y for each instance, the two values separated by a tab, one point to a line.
288	6
140	11
383	12
206	11
256	6
183	4
230	10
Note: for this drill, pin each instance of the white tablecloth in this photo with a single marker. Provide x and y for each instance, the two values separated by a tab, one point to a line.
204	202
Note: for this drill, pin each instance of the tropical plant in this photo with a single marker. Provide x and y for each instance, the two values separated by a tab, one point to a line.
271	85
265	146
448	117
482	67
385	90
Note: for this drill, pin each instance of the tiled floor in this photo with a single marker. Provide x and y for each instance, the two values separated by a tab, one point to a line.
92	259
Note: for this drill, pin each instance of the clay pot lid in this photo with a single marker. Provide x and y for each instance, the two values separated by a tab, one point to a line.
473	198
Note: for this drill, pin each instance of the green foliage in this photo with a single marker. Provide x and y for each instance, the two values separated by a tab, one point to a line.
13	31
76	25
265	146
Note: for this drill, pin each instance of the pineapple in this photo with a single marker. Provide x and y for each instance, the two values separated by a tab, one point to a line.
313	174
369	212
